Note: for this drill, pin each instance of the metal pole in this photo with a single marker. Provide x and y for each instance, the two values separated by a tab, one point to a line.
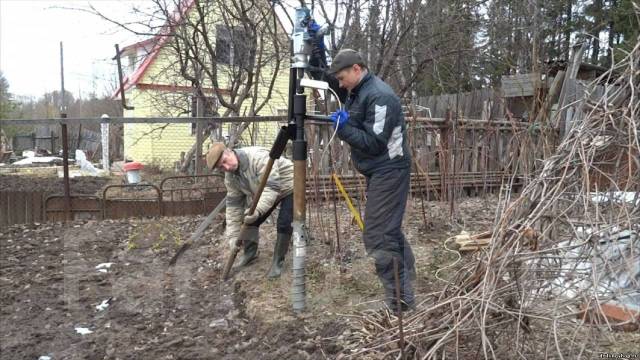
62	101
199	137
65	142
65	169
104	132
298	288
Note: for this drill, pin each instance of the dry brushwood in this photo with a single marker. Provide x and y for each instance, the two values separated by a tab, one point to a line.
569	242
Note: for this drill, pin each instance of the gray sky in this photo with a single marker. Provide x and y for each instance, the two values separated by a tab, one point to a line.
30	35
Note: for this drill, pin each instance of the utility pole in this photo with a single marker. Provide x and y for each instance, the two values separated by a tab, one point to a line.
65	141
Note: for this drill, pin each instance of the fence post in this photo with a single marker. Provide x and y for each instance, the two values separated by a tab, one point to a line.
199	137
53	142
104	132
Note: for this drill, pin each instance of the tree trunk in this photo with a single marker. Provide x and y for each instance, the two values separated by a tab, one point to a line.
567	28
612	33
595	32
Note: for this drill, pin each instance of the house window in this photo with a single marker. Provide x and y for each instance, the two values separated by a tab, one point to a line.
223	44
233	45
131	62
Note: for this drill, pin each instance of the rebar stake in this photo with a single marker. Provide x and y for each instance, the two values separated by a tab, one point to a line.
399	307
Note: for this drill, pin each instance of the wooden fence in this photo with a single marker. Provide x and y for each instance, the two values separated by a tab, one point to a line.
462	154
18	207
450	157
476	104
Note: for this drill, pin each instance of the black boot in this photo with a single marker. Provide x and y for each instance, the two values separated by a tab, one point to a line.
407	297
279	252
250	246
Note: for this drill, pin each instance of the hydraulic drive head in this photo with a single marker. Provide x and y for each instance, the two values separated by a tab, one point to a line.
301	44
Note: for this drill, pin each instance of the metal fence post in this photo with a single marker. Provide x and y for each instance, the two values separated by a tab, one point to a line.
104	132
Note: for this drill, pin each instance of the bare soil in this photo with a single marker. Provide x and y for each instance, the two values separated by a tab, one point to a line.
79	185
49	286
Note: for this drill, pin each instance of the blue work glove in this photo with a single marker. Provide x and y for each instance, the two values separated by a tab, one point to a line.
339	118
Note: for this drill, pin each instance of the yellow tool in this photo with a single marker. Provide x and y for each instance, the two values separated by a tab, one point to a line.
354	212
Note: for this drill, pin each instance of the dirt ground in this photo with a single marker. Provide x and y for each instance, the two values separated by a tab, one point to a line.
80	185
50	287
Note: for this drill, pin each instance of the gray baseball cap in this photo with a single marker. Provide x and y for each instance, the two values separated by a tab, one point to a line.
346	58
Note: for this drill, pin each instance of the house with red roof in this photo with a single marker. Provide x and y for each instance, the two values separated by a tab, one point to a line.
155	87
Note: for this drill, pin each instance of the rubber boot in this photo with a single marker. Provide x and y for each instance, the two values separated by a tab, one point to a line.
386	274
279	252
250	243
407	300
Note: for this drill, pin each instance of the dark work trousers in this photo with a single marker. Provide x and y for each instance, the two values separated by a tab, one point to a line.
285	215
387	193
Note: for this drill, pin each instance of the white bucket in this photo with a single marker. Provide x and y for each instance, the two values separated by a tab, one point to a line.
133	176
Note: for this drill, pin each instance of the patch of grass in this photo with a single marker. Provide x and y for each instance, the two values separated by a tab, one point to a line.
131	240
155	235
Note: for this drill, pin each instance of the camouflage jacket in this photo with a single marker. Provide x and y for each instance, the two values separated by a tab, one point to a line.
243	183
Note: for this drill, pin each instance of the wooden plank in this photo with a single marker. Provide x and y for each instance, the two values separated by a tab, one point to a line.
468	100
345	153
462	151
572	72
432	106
476	149
552	97
4	209
495	151
473	103
10	212
451	103
315	147
28	208
469	149
502	155
508	148
38	207
520	85
19	207
438	106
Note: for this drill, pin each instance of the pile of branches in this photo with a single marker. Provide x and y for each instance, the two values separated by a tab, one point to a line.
568	245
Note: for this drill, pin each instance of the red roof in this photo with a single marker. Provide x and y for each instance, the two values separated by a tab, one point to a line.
158	42
139	44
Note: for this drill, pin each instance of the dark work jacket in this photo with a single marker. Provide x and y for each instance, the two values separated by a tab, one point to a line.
376	130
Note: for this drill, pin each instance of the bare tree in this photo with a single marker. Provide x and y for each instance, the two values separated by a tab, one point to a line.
229	52
408	43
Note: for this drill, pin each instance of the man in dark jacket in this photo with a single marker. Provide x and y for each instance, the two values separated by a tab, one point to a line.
373	124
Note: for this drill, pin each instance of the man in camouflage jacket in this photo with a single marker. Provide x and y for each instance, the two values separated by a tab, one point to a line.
243	170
